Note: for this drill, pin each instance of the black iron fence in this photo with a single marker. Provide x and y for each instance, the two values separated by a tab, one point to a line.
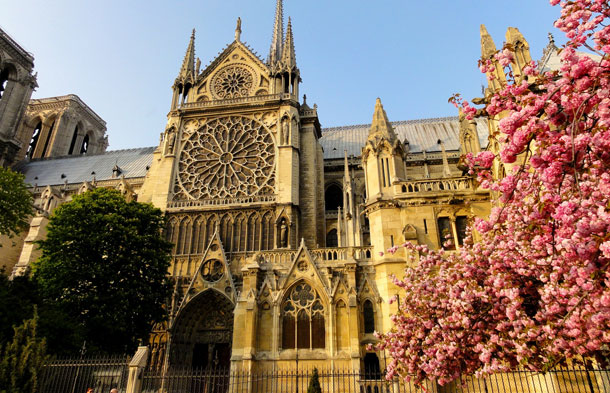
77	375
103	374
572	380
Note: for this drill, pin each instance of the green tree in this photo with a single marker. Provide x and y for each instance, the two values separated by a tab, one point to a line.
104	263
22	359
17	299
314	383
15	202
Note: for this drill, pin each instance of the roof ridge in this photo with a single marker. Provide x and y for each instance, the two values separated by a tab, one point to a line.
394	123
91	155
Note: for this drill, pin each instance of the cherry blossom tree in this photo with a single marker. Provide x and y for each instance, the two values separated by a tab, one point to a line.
534	289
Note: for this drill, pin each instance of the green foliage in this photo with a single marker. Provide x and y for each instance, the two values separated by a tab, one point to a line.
18	299
15	202
314	383
104	264
22	359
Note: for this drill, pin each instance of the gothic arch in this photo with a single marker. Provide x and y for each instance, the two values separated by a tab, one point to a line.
333	196
304	312
203	330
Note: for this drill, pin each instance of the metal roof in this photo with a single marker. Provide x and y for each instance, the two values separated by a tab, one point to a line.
78	169
422	134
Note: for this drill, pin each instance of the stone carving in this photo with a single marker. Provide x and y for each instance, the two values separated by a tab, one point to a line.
227	157
212	270
283	234
285	137
233	81
303	297
171	140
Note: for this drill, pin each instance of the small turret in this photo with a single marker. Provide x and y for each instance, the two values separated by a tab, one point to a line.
488	51
187	75
381	126
382	155
521	50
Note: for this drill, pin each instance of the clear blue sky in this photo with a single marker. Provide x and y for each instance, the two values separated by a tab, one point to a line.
122	56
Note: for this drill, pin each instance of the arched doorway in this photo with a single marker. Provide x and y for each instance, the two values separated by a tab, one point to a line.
203	332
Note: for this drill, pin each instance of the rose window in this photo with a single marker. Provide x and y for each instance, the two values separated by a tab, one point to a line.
233	81
227	158
212	270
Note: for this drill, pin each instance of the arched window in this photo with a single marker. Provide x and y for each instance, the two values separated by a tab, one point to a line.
368	314
85	146
74	136
445	233
461	223
34	140
333	197
371	366
332	239
4	73
47	140
303	319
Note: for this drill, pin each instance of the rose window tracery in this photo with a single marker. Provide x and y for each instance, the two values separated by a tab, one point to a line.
212	270
227	158
233	81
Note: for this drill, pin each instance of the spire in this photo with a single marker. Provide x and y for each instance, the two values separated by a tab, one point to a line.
278	34
238	29
381	126
288	54
188	64
488	48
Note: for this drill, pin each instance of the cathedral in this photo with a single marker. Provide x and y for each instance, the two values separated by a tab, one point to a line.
279	226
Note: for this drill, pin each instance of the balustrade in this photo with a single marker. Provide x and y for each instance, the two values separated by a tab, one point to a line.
435	185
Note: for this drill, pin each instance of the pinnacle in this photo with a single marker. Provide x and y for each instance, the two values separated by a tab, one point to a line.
275	51
288	53
488	48
381	126
188	64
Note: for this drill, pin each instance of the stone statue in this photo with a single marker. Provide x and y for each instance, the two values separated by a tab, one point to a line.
171	141
285	131
283	234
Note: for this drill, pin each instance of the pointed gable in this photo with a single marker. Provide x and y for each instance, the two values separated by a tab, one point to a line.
213	272
303	267
236	63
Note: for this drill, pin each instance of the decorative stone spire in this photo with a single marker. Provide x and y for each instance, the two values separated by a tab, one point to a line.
238	29
275	52
188	64
381	126
288	54
488	48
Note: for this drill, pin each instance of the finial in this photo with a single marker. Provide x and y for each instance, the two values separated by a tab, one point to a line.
275	52
238	29
304	99
551	39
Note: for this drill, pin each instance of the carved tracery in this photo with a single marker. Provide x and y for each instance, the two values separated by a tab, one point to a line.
303	318
227	158
233	81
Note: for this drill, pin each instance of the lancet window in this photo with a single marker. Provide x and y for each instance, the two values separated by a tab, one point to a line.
238	232
303	319
368	314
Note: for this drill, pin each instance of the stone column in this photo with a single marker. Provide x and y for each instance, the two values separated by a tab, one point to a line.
136	369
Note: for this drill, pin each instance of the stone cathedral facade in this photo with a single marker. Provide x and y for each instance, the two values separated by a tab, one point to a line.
278	224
